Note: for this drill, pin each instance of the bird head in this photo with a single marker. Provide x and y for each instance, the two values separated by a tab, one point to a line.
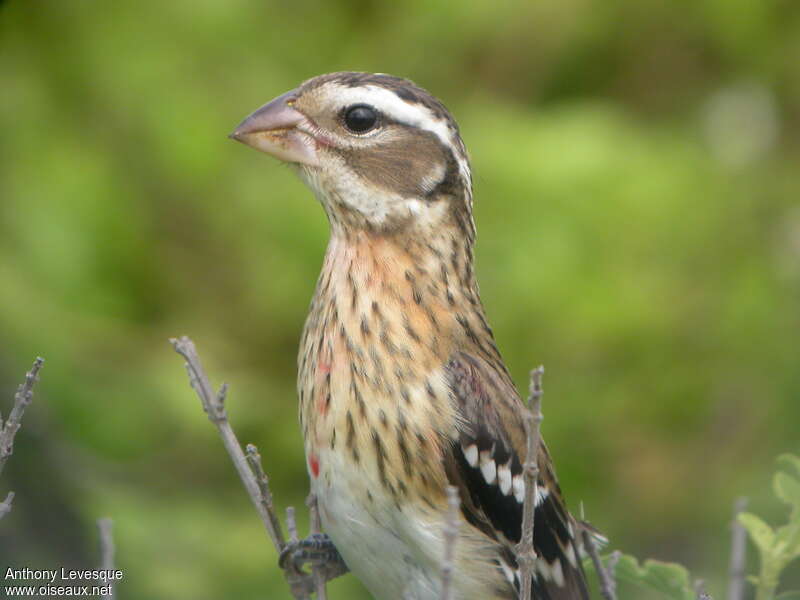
380	153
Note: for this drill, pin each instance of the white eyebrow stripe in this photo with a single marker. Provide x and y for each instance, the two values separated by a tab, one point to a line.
396	108
416	115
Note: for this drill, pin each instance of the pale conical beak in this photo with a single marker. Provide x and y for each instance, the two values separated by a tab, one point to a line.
275	129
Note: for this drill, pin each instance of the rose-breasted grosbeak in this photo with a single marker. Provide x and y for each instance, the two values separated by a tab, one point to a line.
402	389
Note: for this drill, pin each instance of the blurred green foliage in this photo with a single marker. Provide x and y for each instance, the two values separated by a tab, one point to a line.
636	175
777	547
652	579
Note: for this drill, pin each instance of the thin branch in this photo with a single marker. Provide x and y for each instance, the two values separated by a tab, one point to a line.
291	525
104	527
450	534
299	584
214	405
249	467
736	582
316	527
526	556
22	399
8	430
611	569
265	494
5	505
608	583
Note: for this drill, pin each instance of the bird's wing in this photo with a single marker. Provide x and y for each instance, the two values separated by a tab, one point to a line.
485	463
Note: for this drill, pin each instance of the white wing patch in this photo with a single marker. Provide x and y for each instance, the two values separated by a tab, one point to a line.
518	486
471	454
488	467
504	478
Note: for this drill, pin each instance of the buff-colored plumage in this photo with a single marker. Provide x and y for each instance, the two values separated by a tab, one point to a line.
402	389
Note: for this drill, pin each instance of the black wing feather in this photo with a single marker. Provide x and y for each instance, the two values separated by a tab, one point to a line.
490	411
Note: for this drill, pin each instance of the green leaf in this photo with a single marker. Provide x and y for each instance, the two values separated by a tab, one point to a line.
669	579
788	596
761	533
787	541
787	488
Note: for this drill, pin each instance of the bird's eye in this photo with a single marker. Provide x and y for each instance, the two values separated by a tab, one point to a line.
360	118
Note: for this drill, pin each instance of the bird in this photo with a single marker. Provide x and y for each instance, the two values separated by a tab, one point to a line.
402	389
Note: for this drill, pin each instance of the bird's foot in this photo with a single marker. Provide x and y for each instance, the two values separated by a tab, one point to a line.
317	551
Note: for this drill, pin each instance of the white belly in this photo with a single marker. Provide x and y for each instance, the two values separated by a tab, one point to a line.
394	553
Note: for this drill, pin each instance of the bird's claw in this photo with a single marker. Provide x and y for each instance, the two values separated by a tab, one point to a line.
317	550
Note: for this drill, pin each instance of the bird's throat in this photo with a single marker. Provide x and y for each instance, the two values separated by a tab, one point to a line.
396	295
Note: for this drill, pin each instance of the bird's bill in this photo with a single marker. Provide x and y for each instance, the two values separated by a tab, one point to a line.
274	129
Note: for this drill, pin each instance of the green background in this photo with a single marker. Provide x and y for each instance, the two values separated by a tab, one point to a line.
636	195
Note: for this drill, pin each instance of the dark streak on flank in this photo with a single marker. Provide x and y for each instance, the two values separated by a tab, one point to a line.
405	395
380	457
364	327
362	406
404	453
410	330
351	431
429	390
387	342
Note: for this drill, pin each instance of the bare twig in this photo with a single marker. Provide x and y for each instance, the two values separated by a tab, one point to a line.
736	571
608	583
249	467
316	527
526	556
214	405
291	525
450	533
8	430
265	495
301	586
22	399
104	527
5	505
611	569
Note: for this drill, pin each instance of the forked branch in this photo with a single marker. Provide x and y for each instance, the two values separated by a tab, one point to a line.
249	467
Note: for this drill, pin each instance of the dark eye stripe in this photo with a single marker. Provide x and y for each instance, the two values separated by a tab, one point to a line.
401	164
